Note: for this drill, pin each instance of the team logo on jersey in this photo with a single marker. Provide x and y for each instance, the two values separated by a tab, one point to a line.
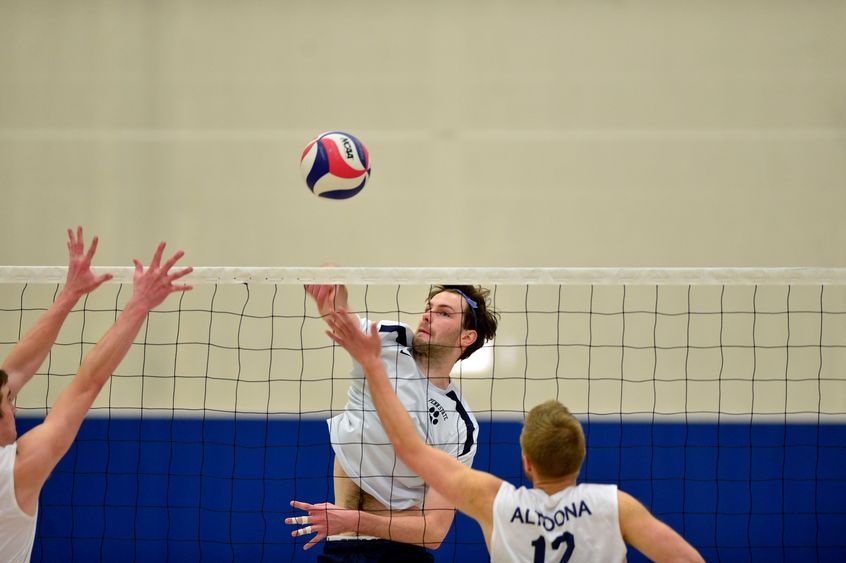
436	412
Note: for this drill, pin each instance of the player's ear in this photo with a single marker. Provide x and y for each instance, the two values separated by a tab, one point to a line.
527	466
468	337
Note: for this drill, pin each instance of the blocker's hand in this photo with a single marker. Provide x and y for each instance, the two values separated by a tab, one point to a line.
322	520
81	279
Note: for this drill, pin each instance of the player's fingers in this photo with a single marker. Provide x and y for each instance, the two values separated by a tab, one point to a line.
313	541
157	256
93	249
301	505
101	280
79	240
169	264
302	531
181	273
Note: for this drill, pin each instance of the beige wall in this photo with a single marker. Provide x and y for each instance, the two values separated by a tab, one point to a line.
537	133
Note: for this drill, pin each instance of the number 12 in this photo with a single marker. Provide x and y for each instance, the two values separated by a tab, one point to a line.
540	547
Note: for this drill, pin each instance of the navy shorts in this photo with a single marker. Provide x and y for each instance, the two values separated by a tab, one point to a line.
372	551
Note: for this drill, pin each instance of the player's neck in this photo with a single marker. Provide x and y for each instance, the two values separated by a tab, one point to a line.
435	369
552	486
437	375
441	382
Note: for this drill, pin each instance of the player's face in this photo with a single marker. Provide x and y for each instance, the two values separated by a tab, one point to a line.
8	432
441	324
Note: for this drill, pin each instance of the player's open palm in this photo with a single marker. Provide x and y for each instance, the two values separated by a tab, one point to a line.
155	283
81	279
363	347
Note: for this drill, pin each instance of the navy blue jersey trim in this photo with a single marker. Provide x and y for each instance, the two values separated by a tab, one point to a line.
471	428
399	329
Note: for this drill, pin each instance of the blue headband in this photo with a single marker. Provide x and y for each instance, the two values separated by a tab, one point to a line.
472	304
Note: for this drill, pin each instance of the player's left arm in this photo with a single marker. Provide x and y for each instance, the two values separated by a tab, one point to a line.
29	353
427	529
40	449
470	491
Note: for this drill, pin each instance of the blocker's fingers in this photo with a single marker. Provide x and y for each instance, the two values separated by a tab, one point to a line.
302	531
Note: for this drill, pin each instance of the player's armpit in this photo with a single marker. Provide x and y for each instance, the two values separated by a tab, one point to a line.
38	452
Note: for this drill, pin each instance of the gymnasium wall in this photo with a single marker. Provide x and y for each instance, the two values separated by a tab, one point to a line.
539	133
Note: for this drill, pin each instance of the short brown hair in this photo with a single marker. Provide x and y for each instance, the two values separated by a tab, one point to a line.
480	317
553	440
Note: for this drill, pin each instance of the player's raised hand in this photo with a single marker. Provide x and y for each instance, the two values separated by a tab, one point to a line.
328	297
345	330
155	283
81	279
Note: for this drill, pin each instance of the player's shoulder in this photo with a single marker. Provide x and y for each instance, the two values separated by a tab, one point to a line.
456	401
394	332
602	497
598	489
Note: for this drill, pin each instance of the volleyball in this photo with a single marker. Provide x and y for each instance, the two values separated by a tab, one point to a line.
335	165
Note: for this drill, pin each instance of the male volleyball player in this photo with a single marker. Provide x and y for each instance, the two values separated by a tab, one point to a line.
557	520
25	463
383	511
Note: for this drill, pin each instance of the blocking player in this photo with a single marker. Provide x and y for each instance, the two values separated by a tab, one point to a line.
383	511
557	520
26	462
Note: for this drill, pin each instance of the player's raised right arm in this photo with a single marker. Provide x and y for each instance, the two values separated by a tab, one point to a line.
40	449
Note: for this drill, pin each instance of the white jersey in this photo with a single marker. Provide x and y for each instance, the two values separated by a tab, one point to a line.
17	528
441	417
579	524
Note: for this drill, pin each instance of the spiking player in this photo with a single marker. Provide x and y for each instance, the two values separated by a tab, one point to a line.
26	462
555	521
383	511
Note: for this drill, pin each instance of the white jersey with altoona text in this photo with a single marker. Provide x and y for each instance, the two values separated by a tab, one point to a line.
579	524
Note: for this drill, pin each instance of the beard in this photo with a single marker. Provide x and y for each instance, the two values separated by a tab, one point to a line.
428	352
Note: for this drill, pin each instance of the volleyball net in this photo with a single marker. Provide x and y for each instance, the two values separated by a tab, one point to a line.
715	396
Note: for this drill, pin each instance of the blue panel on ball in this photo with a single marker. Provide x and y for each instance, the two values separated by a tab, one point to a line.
320	167
345	194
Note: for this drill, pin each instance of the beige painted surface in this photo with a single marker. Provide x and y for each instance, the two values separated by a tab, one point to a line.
538	133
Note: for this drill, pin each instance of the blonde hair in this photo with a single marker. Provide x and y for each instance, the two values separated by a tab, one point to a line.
553	440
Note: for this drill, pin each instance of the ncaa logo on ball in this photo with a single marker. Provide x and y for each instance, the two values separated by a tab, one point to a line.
335	165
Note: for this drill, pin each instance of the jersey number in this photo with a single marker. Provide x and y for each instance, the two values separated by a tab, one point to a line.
540	547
